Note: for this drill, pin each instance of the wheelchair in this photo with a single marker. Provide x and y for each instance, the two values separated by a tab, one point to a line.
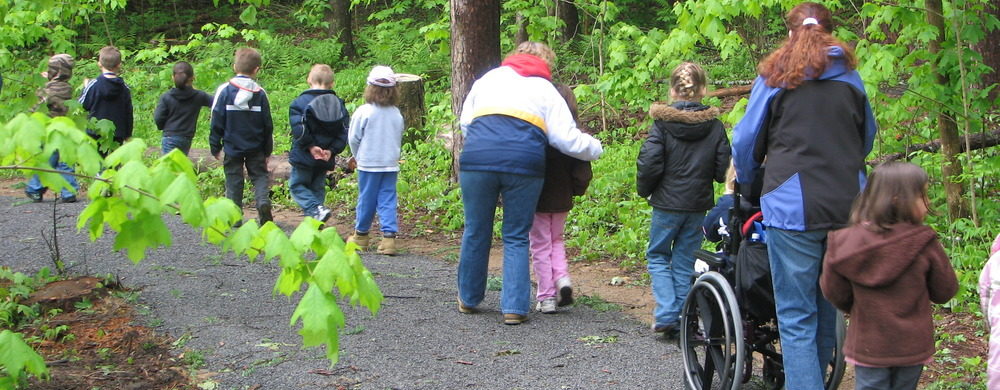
728	323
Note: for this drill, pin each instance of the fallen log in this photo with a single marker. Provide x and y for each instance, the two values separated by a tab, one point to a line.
976	141
727	92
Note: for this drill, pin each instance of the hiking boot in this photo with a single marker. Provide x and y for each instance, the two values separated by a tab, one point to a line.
360	239
387	246
264	214
322	213
565	291
514	318
462	308
547	305
69	199
34	196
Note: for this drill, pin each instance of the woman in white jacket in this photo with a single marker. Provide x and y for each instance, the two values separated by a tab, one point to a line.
509	116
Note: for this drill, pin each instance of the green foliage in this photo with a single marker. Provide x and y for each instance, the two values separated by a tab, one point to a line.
18	359
129	196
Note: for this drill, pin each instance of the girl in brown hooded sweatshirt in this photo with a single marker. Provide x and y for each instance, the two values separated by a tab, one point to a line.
885	270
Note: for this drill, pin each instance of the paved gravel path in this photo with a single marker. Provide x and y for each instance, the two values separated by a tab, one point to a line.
223	307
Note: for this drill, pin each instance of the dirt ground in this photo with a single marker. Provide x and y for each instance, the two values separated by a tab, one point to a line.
109	350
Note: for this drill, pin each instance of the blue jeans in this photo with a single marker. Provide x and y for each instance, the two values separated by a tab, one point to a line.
806	320
480	192
376	193
673	238
890	378
34	185
308	187
171	142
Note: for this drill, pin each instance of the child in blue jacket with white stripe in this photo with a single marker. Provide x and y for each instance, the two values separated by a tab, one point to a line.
241	125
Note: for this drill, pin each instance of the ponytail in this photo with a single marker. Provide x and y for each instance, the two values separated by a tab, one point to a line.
804	54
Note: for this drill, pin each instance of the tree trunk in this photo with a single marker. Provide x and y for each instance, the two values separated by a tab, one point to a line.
475	49
339	18
990	49
567	12
522	29
951	145
411	105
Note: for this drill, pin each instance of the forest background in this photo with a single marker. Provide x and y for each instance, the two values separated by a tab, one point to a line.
928	67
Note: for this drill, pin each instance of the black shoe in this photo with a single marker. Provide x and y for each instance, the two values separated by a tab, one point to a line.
69	199
35	197
264	214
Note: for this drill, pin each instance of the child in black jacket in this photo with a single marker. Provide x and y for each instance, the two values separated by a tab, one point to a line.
177	112
319	123
241	122
108	97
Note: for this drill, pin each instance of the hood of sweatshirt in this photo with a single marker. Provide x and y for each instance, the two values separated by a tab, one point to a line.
247	87
113	86
895	250
528	65
183	94
688	119
326	106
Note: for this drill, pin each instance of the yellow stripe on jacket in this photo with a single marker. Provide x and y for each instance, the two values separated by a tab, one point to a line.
533	119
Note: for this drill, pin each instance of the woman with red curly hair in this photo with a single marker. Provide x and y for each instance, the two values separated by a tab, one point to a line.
810	118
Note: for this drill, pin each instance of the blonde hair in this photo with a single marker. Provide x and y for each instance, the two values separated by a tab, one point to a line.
109	57
536	49
688	82
381	96
730	179
321	74
247	60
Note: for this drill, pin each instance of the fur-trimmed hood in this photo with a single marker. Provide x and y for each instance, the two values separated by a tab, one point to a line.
684	112
687	121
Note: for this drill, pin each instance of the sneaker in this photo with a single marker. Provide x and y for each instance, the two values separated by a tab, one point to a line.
387	246
69	199
514	318
264	214
462	308
322	213
360	239
547	305
565	291
34	196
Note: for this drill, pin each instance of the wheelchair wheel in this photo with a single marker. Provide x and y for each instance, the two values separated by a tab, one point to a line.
835	371
711	337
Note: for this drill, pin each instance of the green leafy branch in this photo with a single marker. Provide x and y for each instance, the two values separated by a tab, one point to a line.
130	198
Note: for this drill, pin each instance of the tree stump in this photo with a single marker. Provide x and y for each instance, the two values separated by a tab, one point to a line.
411	105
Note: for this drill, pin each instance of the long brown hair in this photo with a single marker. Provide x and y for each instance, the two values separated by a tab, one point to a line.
381	96
893	190
804	54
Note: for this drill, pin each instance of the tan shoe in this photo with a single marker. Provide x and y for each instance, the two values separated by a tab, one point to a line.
514	319
361	240
387	246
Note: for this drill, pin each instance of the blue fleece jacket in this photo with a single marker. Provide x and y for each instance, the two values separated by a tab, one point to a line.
241	119
108	97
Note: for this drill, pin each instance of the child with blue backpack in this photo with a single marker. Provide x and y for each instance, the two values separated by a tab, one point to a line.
319	123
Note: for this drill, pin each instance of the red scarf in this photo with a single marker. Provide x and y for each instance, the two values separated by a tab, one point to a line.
528	65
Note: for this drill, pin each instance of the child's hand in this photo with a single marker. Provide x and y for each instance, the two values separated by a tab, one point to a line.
320	153
218	156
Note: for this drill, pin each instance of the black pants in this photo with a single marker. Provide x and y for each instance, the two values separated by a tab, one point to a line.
256	166
887	378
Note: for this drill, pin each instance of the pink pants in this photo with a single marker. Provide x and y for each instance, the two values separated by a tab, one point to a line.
548	252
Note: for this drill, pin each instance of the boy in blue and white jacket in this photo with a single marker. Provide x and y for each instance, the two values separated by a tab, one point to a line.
241	123
319	123
375	136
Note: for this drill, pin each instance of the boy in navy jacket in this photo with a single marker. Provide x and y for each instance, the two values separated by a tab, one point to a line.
319	123
108	97
241	125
